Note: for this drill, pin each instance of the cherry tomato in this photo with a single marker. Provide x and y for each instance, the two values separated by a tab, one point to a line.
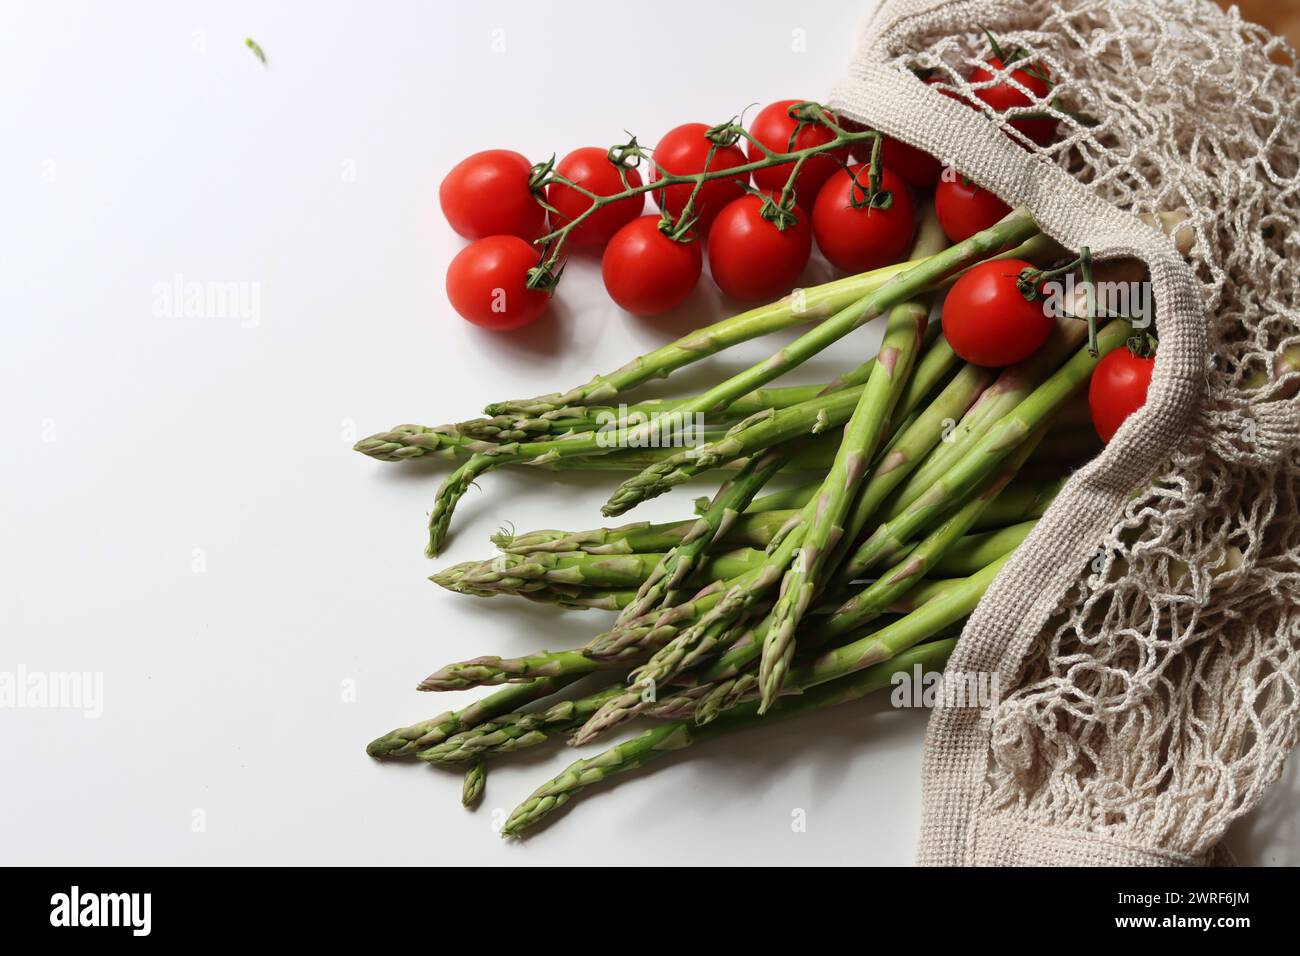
859	239
750	258
773	127
590	168
486	283
487	194
1002	96
987	320
646	272
916	166
685	150
964	209
1118	389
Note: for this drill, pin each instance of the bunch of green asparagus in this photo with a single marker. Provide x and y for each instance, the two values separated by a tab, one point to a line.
920	475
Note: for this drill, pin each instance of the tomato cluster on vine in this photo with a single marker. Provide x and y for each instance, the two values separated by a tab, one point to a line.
851	193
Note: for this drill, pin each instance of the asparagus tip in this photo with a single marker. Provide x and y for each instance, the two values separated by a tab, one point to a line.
386	745
472	790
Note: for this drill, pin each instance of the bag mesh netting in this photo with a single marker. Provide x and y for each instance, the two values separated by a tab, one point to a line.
1146	637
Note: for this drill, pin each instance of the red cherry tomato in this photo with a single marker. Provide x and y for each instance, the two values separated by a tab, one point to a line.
750	258
987	320
773	127
486	283
487	194
646	272
916	166
684	151
590	168
1118	389
964	209
1002	96
859	239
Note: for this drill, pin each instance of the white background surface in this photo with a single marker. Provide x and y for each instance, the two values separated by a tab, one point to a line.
144	141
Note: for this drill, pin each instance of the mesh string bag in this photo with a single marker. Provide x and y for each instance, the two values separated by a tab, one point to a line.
1145	638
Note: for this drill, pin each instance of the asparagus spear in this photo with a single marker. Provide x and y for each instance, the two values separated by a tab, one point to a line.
405	741
705	635
753	530
784	500
575	598
1019	501
573	418
543	569
928	609
472	789
861	436
491	669
681	734
976	550
700	639
912	443
404	442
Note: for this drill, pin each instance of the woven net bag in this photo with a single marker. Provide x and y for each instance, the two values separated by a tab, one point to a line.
1146	636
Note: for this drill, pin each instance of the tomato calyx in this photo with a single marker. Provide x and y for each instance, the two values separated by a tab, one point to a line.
626	156
725	134
539	175
778	208
543	277
874	194
680	229
808	113
1031	282
1142	345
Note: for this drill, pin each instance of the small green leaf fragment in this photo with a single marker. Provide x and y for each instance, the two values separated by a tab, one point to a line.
256	48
